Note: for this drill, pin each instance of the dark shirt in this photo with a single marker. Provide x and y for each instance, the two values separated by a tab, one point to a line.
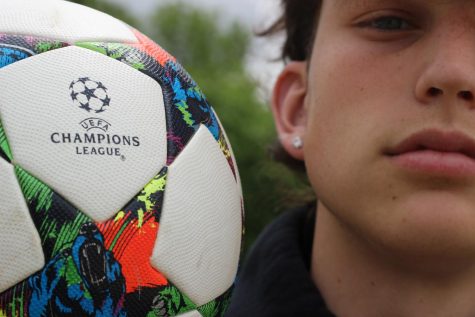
275	278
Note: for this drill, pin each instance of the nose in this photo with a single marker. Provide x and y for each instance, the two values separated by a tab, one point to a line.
449	74
434	91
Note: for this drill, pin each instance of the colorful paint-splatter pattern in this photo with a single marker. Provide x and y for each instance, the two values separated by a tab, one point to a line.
103	269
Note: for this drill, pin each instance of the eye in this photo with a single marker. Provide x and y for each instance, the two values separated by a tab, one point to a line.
387	24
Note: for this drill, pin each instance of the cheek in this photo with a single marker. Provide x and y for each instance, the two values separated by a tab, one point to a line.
351	114
343	122
340	153
354	105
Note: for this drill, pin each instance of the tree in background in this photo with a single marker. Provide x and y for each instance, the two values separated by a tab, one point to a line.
110	8
215	57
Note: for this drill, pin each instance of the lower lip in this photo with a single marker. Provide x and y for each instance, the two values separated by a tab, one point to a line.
452	164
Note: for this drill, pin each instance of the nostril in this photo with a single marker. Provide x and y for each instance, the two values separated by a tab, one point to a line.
434	92
466	95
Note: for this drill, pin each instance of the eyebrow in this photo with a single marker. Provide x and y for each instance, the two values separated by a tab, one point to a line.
357	3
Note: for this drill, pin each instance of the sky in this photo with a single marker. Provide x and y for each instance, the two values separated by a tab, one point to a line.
254	14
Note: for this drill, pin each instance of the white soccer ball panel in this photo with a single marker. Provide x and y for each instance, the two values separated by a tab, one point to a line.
193	313
199	240
96	160
20	244
62	20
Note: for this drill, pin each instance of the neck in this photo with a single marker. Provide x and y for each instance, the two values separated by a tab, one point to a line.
356	280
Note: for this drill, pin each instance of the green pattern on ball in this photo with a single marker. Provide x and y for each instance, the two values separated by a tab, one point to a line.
217	307
4	147
118	51
171	302
59	234
34	189
46	46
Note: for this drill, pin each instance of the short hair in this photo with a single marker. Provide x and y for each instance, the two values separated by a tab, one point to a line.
298	21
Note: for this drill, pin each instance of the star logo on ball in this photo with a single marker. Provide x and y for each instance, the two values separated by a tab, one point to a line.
89	95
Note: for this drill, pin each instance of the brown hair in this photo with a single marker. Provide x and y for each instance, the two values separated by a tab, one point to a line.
299	22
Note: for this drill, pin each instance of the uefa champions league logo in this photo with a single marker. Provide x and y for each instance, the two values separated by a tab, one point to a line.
95	139
89	95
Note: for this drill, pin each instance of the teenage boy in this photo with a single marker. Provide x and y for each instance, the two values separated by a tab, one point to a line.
377	100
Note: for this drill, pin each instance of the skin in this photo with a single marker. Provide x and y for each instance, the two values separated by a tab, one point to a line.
389	241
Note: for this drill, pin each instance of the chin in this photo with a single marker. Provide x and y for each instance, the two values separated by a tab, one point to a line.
438	233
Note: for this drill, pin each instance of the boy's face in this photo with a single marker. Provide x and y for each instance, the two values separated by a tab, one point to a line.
390	122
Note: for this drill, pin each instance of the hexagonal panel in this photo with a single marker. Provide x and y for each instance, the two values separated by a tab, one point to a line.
199	240
97	151
20	245
62	20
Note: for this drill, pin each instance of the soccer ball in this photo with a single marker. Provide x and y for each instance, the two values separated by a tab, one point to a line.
119	191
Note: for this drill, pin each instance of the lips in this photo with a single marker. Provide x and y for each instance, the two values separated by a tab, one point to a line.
436	152
438	141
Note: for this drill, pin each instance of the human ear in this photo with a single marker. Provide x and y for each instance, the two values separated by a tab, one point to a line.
288	106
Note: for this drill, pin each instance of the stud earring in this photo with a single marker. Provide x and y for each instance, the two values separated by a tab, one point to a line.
297	143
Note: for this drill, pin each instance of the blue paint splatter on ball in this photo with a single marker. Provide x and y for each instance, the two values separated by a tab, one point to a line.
10	55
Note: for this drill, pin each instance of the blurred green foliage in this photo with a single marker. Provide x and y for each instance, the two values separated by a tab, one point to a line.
215	57
110	8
